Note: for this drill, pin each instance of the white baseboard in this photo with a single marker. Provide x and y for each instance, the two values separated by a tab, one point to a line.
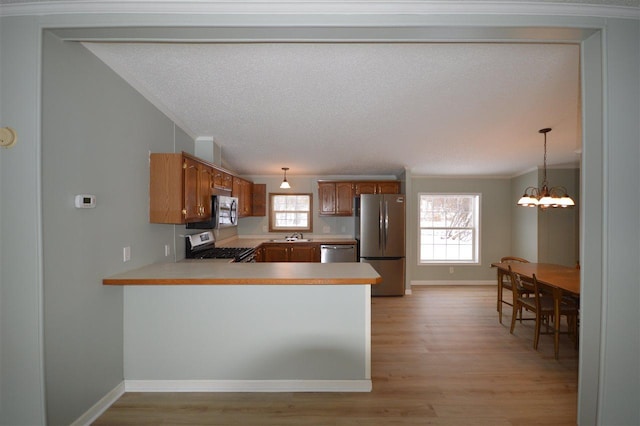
452	283
248	385
92	414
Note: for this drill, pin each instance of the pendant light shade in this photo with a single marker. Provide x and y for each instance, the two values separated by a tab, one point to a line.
285	183
545	197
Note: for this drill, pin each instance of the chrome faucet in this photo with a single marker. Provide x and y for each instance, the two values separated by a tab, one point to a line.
295	235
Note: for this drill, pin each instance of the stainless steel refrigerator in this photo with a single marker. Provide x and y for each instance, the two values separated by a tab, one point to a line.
380	233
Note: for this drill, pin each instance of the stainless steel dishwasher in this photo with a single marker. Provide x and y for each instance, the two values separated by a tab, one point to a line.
332	253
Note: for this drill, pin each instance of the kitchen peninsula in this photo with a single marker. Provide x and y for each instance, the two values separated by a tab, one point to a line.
218	326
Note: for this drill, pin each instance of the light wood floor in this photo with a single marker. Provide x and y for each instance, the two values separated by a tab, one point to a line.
439	356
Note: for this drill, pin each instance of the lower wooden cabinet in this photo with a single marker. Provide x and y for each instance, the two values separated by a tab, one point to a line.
288	252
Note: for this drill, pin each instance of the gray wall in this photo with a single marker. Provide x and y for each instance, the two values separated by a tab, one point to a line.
495	227
524	222
551	235
558	233
97	133
323	226
21	350
620	374
609	371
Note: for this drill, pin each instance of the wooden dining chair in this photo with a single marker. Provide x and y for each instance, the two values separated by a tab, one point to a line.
505	283
540	304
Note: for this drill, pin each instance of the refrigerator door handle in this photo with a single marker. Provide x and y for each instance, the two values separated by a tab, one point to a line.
386	224
380	225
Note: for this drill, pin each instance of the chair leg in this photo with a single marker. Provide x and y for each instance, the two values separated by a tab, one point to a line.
514	312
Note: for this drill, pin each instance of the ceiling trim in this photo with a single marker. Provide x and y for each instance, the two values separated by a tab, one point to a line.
324	34
318	8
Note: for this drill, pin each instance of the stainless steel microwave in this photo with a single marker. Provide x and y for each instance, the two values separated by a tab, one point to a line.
224	213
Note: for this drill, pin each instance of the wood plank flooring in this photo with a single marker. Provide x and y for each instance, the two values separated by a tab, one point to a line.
439	357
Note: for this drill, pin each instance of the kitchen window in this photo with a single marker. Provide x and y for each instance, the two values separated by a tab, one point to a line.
449	228
290	212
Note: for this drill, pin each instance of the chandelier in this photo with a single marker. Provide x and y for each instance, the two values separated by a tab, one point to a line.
545	197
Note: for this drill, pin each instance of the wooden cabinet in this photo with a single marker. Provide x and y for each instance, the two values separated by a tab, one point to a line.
197	190
222	180
336	198
179	189
301	252
377	187
259	202
288	252
243	190
275	252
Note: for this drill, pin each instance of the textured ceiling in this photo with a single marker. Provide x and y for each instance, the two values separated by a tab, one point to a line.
365	108
326	109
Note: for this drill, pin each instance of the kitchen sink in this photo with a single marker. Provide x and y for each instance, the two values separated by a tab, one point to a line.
290	240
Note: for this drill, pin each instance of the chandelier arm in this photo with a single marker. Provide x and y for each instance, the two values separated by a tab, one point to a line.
545	197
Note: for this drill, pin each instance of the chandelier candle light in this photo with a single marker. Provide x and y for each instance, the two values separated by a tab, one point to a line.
285	184
545	197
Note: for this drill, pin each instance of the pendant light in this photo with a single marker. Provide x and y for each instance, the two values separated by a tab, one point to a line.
285	184
545	197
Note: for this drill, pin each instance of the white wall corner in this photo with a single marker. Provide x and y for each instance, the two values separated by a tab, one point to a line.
206	149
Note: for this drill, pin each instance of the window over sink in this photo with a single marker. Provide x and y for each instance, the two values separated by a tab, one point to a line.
290	212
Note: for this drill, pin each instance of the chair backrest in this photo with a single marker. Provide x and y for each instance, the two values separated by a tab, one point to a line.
536	293
518	285
512	259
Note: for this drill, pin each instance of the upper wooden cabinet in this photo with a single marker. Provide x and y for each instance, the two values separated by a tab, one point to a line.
243	189
179	189
377	187
336	197
222	180
259	199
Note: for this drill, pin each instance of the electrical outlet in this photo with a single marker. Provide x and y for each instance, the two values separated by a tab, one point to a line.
167	250
451	269
126	254
326	229
265	229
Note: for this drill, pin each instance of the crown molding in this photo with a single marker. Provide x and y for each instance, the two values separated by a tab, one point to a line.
465	7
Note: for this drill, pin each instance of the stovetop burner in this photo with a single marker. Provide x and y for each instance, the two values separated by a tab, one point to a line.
202	246
237	253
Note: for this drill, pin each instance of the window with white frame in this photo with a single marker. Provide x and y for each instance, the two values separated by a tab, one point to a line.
449	228
290	212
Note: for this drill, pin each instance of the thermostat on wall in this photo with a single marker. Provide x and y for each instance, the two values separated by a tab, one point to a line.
85	201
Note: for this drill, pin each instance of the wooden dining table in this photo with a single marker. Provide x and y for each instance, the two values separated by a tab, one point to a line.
559	279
